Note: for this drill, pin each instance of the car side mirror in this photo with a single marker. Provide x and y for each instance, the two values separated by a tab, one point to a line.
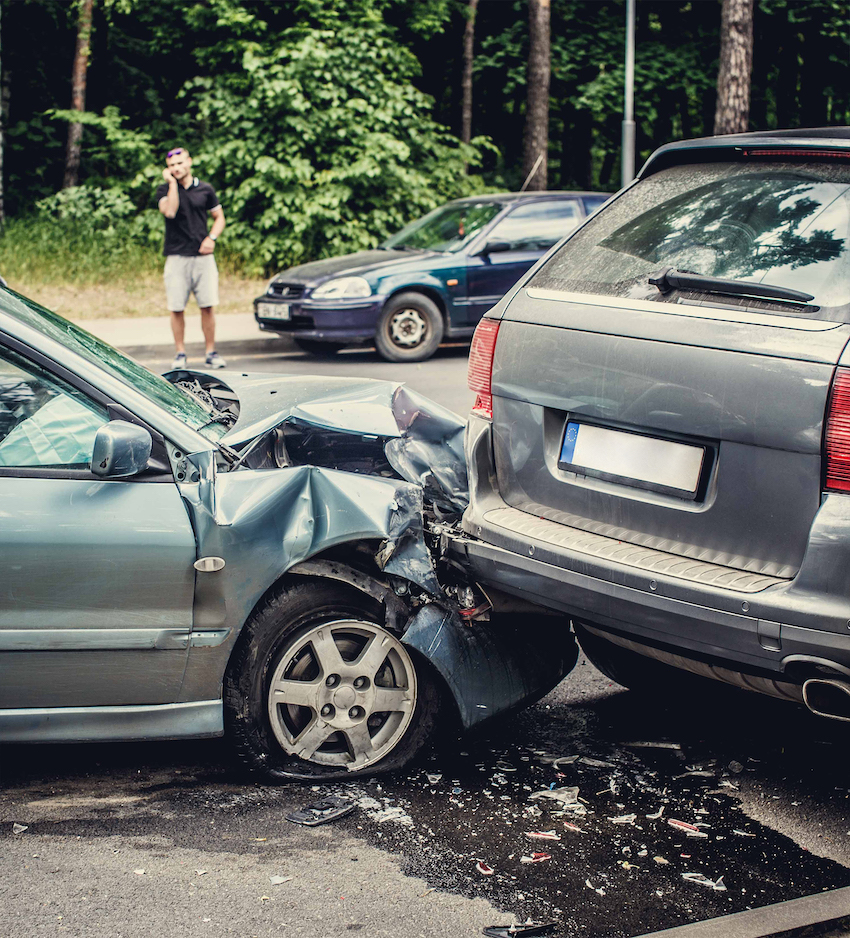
121	449
495	247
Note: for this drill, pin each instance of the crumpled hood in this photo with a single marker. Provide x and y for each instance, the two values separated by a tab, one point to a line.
355	264
422	441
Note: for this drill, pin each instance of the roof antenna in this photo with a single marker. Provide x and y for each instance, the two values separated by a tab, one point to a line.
529	177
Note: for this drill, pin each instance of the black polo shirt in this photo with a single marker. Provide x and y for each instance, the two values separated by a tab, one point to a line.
184	232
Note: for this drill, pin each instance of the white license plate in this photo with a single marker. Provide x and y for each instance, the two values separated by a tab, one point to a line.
642	461
273	311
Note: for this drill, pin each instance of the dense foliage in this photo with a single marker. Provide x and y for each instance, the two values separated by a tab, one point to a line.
327	124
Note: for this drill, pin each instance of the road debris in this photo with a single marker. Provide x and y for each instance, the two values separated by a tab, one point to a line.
597	889
536	858
434	777
743	833
701	880
484	869
280	880
656	815
201	872
623	819
529	928
139	872
573	827
19	828
661	861
735	767
690	830
566	796
649	744
322	812
543	835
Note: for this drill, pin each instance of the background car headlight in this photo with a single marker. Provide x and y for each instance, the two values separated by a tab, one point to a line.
343	286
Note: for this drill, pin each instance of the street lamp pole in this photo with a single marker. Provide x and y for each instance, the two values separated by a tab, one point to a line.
628	154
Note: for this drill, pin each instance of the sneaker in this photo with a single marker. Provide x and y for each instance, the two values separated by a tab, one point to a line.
179	361
214	360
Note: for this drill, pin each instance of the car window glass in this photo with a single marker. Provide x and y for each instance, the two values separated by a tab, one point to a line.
44	423
178	403
784	224
593	202
446	229
536	227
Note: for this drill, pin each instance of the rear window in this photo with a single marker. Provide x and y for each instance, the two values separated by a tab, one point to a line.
785	224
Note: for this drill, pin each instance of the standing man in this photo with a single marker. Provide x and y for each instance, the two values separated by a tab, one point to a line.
189	262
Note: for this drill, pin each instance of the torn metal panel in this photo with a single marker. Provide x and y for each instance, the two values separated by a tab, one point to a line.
491	668
359	425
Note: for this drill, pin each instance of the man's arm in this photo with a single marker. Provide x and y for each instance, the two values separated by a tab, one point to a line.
208	244
170	202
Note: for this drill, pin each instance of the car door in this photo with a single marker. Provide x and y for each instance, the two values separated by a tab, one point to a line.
522	237
96	577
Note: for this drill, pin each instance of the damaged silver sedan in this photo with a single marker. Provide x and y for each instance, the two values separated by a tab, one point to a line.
262	556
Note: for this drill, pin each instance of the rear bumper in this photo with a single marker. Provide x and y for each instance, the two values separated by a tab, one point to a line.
777	630
353	321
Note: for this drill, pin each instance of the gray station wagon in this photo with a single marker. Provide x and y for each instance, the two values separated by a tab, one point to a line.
661	440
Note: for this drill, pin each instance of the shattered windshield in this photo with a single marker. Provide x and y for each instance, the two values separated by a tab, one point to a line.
775	223
170	398
446	229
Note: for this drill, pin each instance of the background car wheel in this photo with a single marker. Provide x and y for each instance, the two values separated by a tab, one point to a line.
635	671
317	348
410	328
317	687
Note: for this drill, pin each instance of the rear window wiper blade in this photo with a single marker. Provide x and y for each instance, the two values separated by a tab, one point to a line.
671	279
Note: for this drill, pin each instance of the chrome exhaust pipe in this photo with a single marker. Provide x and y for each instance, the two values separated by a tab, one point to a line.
828	698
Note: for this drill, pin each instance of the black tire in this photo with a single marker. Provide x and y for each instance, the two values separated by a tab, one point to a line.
278	645
410	328
632	670
318	348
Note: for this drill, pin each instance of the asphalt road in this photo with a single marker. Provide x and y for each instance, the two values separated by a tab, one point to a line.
171	839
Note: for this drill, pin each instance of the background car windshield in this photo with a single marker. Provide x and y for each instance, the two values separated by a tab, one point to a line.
125	369
783	224
446	229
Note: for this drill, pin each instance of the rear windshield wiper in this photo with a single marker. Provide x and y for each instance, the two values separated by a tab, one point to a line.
671	279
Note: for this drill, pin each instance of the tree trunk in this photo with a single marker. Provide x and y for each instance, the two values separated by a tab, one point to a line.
78	93
736	66
536	137
466	82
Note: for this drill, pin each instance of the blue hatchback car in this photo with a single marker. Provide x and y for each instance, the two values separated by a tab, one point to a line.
433	280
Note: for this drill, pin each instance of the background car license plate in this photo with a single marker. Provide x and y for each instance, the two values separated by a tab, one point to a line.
632	458
273	310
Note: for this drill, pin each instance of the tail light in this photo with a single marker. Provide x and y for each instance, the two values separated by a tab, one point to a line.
836	440
481	366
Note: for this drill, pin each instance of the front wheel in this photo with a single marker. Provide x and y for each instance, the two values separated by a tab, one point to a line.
410	328
317	687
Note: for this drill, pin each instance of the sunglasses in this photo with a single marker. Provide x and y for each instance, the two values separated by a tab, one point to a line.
173	153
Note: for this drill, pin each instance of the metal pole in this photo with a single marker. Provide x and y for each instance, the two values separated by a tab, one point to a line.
628	154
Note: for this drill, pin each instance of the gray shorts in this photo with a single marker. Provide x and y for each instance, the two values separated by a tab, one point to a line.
186	275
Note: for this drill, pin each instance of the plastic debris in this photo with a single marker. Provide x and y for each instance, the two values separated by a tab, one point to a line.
139	872
690	830
543	835
536	858
201	872
735	767
19	828
661	861
701	880
484	869
506	931
649	744
434	777
623	819
279	880
743	833
598	890
564	795
321	812
656	815
626	865
573	827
